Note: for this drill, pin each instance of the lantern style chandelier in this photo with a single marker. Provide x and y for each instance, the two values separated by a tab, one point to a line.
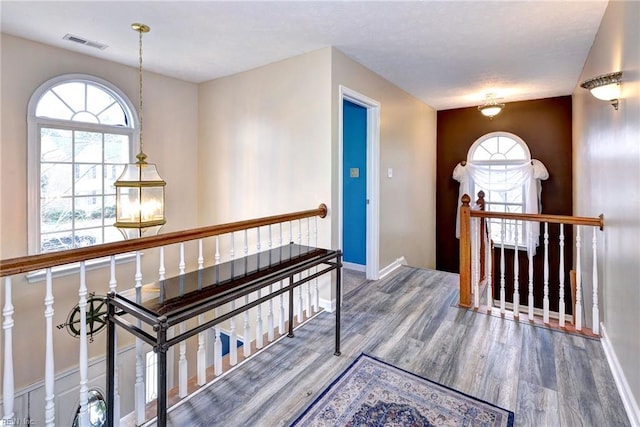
140	189
490	108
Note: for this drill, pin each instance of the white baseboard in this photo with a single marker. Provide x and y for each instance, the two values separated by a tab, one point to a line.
355	267
629	402
399	262
328	305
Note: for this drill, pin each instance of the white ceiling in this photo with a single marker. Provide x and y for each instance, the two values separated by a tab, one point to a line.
449	54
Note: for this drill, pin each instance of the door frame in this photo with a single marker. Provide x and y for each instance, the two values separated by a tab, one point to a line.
372	270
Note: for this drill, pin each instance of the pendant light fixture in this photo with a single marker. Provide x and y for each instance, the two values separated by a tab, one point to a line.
140	189
490	108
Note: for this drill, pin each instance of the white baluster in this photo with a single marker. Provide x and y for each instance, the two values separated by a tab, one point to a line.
596	310
282	311
139	391
7	327
545	298
201	355
300	306
516	278
577	315
315	269
270	334
259	333
488	253
561	303
246	348
182	361
475	259
113	284
83	414
49	372
308	284
217	343
233	336
530	247
503	296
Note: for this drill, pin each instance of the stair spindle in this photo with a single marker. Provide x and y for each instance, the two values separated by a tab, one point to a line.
561	303
577	315
596	311
545	298
49	372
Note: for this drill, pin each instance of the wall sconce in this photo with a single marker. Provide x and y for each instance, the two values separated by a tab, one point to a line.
490	108
605	87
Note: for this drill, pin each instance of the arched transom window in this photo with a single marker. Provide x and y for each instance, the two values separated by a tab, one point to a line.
81	132
499	152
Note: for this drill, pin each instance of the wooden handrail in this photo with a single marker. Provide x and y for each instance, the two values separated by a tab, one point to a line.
29	263
557	219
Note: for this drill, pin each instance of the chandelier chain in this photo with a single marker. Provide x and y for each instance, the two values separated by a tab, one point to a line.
140	86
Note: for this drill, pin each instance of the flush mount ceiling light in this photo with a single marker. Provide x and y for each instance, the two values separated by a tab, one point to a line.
490	108
605	87
140	189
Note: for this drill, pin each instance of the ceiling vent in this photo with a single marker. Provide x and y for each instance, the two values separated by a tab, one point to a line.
85	42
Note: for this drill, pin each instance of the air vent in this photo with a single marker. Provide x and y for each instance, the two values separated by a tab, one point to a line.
85	42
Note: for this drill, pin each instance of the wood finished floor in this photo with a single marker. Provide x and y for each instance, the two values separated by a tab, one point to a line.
409	319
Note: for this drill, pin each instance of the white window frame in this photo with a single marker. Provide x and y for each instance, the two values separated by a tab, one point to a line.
522	237
34	124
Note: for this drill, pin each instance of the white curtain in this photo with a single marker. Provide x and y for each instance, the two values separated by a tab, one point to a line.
527	174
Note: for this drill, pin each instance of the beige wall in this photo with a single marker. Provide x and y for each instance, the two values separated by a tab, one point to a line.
408	146
264	141
606	168
269	144
171	121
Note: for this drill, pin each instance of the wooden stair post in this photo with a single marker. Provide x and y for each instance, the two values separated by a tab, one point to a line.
465	252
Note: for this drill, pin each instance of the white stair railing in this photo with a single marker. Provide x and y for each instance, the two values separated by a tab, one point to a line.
510	232
264	324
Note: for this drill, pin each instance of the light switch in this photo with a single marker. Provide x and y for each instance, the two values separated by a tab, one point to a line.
354	172
390	172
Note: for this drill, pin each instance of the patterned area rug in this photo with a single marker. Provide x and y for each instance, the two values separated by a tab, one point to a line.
373	393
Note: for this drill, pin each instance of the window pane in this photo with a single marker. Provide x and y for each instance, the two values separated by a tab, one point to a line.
111	234
481	154
98	100
85	212
116	148
113	115
88	147
55	180
88	179
84	116
112	172
515	153
109	209
73	94
55	145
51	106
55	215
515	196
56	242
88	237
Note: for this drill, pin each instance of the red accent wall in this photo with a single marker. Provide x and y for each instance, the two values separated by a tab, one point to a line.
545	126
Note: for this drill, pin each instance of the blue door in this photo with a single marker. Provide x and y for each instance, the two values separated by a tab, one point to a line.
354	183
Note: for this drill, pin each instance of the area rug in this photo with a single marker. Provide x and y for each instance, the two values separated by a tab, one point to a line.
371	392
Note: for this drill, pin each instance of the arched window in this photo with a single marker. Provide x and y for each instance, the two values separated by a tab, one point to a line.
81	131
499	152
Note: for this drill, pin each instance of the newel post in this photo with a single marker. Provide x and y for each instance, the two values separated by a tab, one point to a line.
465	252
